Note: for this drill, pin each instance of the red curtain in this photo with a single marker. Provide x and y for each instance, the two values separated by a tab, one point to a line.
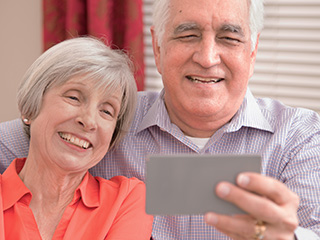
119	22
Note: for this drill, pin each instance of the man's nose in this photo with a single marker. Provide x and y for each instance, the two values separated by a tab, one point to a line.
207	54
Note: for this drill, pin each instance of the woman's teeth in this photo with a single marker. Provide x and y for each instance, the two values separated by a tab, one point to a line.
74	140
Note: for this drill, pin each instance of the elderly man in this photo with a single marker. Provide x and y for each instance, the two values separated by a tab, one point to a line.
205	51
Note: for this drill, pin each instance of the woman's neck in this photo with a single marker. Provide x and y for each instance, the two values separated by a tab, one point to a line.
52	190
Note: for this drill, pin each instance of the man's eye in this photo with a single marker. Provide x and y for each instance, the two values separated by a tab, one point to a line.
187	37
231	39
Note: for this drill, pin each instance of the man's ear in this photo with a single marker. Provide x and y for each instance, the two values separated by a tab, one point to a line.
254	56
156	49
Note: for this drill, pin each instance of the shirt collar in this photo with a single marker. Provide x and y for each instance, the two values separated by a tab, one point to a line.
87	191
156	115
248	115
11	181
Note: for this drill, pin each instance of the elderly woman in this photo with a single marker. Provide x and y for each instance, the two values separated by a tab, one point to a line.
76	102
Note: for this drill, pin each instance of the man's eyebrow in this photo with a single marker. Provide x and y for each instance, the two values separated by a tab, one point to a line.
186	27
232	28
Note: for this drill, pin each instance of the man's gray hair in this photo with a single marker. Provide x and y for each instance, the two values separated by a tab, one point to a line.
161	10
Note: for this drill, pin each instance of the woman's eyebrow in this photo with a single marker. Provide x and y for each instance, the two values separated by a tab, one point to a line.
186	27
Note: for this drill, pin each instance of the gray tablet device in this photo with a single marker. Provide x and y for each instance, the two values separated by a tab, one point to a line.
185	184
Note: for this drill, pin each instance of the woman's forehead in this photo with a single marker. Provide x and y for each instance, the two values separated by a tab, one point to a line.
100	86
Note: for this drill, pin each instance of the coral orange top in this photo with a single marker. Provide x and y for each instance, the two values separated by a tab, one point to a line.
100	209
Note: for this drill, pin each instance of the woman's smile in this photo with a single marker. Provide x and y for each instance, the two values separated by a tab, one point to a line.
75	140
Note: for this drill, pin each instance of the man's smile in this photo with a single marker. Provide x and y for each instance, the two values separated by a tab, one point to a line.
204	80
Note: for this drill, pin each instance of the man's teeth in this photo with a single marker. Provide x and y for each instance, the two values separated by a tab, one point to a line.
204	80
74	140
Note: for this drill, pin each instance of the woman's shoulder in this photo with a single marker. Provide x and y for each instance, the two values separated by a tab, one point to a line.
121	182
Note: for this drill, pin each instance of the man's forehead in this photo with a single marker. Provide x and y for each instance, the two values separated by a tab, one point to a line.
196	7
236	5
186	14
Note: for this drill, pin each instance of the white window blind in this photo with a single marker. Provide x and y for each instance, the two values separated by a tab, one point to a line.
152	77
288	61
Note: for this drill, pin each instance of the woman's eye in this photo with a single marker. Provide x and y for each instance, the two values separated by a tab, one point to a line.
73	98
108	112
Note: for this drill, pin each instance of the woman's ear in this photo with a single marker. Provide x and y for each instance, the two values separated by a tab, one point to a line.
25	120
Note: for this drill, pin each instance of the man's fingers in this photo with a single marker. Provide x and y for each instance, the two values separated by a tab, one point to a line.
268	187
255	197
237	227
264	199
256	205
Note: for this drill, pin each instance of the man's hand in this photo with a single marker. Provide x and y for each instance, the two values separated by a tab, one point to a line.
265	200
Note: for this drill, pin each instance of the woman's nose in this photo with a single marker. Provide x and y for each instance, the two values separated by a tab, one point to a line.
87	119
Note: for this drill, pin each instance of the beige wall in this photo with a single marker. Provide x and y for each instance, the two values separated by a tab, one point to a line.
20	45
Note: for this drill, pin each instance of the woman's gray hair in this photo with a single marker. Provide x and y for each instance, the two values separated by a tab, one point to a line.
86	58
161	15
